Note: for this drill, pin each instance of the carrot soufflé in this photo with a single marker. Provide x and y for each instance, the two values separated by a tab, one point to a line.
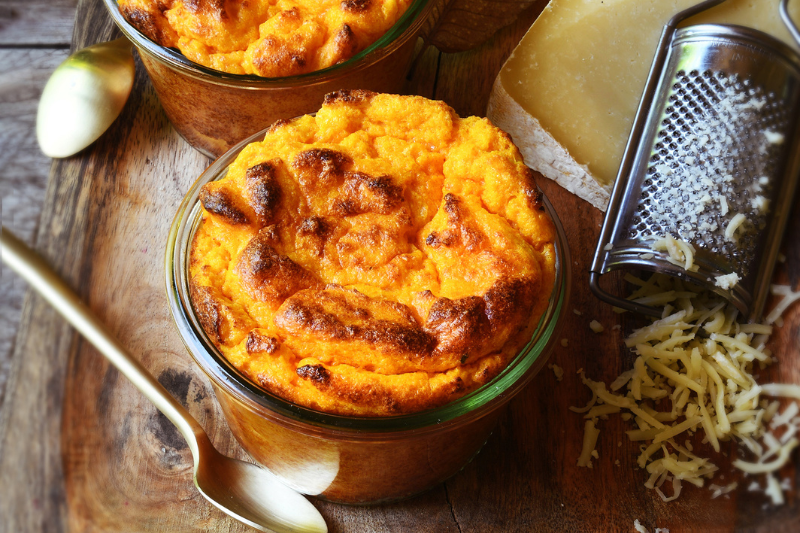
382	257
271	38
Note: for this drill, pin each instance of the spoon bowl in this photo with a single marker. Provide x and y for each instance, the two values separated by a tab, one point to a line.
252	494
243	490
83	97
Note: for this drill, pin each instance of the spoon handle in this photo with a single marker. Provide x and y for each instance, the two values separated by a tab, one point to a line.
33	269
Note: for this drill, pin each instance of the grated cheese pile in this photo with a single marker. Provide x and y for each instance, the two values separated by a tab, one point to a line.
694	374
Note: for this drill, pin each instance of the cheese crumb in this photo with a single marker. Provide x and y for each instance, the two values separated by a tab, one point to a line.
774	490
557	370
733	225
789	297
596	326
773	137
720	491
590	434
727	281
760	203
639	527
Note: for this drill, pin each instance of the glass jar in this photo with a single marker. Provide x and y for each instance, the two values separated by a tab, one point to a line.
214	110
356	460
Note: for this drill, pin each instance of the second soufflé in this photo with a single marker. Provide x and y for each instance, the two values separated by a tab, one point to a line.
271	38
382	257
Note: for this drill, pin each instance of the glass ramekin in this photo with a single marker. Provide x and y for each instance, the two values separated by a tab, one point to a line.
355	460
214	110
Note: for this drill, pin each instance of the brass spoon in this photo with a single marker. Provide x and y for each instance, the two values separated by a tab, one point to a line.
83	96
246	492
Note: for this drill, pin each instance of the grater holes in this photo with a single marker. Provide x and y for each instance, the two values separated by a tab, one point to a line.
694	164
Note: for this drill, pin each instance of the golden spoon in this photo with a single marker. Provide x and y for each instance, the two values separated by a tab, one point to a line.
83	96
246	492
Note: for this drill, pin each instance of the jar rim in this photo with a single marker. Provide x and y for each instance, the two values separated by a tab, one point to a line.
406	26
515	376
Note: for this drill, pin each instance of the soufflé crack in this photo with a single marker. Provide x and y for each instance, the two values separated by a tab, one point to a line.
382	257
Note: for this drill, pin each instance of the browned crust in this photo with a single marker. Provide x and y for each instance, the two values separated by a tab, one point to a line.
320	167
278	124
221	202
215	315
209	7
532	192
143	21
316	230
363	193
206	306
356	6
276	57
259	343
282	56
509	300
318	374
461	233
460	326
380	395
348	96
269	276
345	43
263	190
333	315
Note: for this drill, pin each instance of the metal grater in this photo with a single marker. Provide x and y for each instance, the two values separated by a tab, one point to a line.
716	135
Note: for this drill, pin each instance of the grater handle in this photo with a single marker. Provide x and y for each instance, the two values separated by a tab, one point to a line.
616	301
790	25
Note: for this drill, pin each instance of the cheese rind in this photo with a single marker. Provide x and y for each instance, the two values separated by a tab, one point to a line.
569	92
542	151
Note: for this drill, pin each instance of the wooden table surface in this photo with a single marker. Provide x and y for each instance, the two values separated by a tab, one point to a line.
82	451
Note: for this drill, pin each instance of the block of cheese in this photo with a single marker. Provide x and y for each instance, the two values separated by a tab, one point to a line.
569	92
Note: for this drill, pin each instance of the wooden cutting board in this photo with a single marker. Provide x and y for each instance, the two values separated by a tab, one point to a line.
82	451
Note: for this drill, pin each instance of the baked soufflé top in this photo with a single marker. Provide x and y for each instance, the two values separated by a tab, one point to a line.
271	38
382	257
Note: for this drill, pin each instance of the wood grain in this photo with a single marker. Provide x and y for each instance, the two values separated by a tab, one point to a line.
23	172
23	168
126	469
36	501
37	22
